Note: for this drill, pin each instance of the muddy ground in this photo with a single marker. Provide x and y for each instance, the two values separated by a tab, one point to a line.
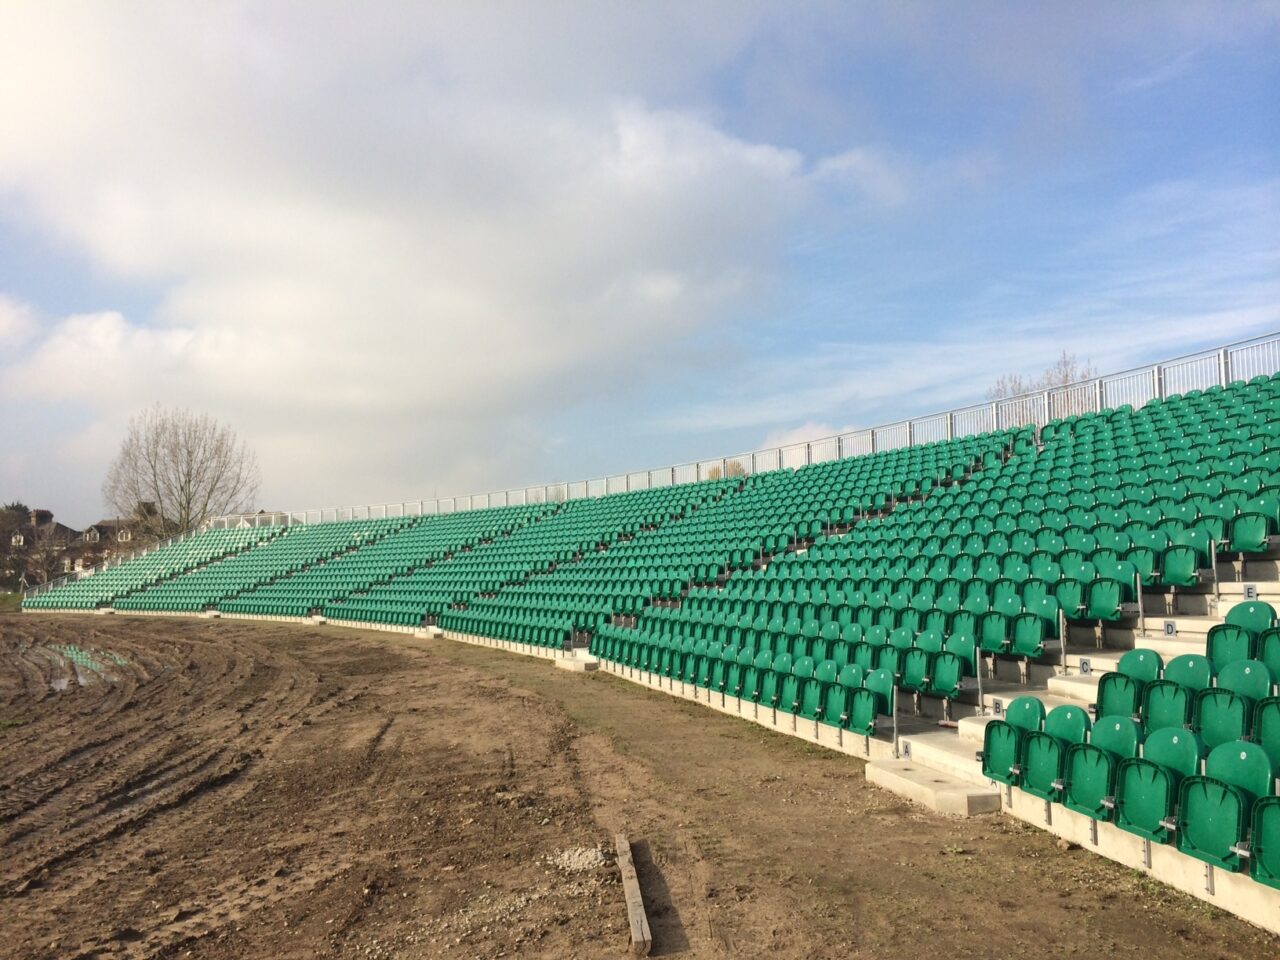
228	789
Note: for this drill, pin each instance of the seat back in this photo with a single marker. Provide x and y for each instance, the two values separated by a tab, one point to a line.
1119	736
1174	749
826	671
1249	678
851	676
1254	615
1189	670
1025	713
880	682
802	667
1141	665
1067	723
1243	765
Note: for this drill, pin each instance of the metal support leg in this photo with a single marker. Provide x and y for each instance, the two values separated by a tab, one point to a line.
1142	615
893	708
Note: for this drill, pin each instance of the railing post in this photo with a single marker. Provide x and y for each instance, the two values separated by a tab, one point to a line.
1044	409
995	415
1224	367
808	454
911	433
1097	396
872	431
951	426
1157	383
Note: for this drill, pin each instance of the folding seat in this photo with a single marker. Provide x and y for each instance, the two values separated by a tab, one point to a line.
965	648
1215	810
1103	598
1090	769
1227	643
1120	691
1070	597
754	677
917	666
1264	842
1147	786
1224	712
1266	727
993	633
792	684
1179	566
720	670
1249	533
1167	702
1002	739
1028	635
874	698
1044	751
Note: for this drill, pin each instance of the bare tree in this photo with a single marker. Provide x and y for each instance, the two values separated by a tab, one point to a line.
176	469
1066	370
733	468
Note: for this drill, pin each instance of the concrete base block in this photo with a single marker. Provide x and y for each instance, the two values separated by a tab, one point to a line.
932	789
577	664
1233	892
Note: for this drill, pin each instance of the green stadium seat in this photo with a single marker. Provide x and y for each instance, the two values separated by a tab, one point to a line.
1002	739
1147	786
1215	809
1044	751
1090	769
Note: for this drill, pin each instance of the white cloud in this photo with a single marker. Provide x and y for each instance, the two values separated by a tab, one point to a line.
374	241
17	323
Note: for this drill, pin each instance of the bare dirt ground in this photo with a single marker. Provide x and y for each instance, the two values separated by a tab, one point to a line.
220	789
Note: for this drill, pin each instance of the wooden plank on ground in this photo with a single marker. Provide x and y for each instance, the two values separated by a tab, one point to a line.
641	938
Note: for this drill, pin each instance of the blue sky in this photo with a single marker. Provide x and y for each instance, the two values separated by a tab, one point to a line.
406	250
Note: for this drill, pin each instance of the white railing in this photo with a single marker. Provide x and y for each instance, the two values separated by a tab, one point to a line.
1198	371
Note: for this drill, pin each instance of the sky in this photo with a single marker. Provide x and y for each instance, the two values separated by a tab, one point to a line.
411	249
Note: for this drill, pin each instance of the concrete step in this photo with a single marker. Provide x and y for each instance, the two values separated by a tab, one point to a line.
1079	689
946	753
970	730
932	788
1097	661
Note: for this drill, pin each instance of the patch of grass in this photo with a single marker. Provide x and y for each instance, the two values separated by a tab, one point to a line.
10	602
7	723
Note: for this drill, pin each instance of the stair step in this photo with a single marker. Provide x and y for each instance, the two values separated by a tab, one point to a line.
932	788
1076	688
946	753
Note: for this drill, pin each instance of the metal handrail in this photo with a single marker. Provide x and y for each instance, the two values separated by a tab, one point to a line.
1217	366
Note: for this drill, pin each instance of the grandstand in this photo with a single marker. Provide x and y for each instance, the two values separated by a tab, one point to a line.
1071	619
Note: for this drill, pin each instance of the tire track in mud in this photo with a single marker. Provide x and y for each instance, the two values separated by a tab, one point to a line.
188	720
